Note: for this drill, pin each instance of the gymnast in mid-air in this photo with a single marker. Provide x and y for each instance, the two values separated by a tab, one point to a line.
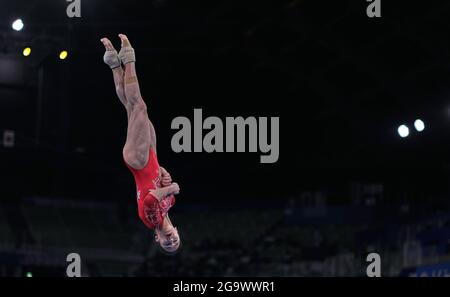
155	189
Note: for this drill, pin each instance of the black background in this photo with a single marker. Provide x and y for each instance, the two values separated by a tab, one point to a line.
340	82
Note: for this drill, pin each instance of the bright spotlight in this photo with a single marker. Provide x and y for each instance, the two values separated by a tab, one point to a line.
29	274
420	125
26	51
17	25
63	54
403	131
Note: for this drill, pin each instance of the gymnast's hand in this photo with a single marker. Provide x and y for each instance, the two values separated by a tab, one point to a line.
166	179
161	193
174	189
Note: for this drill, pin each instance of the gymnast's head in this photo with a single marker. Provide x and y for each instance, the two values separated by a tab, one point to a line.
169	240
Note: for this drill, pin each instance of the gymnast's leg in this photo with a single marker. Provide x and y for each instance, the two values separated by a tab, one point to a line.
140	136
111	58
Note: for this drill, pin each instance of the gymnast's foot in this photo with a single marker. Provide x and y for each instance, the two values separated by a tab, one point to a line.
126	54
111	58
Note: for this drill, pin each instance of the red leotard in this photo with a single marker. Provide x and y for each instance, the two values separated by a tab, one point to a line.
150	210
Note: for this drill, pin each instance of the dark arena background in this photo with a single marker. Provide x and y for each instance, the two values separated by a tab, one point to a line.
364	137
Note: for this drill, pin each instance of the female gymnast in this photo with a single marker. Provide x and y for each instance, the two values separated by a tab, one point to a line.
155	189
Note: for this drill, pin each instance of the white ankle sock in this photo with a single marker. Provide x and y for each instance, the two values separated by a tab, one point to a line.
126	55
111	59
